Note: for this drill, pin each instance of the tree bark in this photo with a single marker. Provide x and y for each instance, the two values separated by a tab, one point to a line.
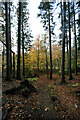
63	45
3	63
7	43
70	73
10	38
61	16
79	24
50	47
46	58
38	59
13	65
75	42
19	41
23	45
67	58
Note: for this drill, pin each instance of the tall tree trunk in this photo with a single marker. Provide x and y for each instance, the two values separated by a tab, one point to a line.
38	59
50	47
46	57
19	41
23	56
67	58
79	24
70	73
13	65
75	41
23	46
47	67
63	45
67	51
3	51
61	17
10	38
7	43
3	63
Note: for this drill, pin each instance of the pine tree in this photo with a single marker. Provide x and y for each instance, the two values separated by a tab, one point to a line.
26	33
63	45
7	42
19	41
75	41
10	36
70	73
47	20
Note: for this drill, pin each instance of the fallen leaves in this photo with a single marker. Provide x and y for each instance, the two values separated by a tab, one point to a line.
38	104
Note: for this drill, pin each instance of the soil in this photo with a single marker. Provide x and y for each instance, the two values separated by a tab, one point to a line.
40	105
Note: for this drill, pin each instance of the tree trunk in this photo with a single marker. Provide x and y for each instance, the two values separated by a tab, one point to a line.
67	58
23	46
63	46
50	48
46	57
38	59
7	43
67	51
3	63
10	38
13	65
79	24
75	42
61	17
19	41
3	52
47	65
70	73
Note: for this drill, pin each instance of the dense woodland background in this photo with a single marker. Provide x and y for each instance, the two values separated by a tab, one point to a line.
44	54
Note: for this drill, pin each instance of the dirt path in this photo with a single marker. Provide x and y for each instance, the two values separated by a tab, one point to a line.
39	106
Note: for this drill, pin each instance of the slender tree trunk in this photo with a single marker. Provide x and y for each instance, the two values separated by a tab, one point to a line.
63	45
13	65
46	57
38	58
23	56
19	41
7	43
23	46
3	52
61	17
75	42
67	51
46	64
3	63
10	38
67	58
79	24
50	48
70	73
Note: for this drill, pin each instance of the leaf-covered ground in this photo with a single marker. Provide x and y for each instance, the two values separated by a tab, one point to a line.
52	101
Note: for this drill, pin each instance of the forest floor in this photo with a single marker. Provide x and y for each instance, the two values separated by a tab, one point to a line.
40	105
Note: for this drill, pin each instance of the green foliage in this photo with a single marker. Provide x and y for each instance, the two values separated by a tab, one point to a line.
51	86
33	79
52	90
76	85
